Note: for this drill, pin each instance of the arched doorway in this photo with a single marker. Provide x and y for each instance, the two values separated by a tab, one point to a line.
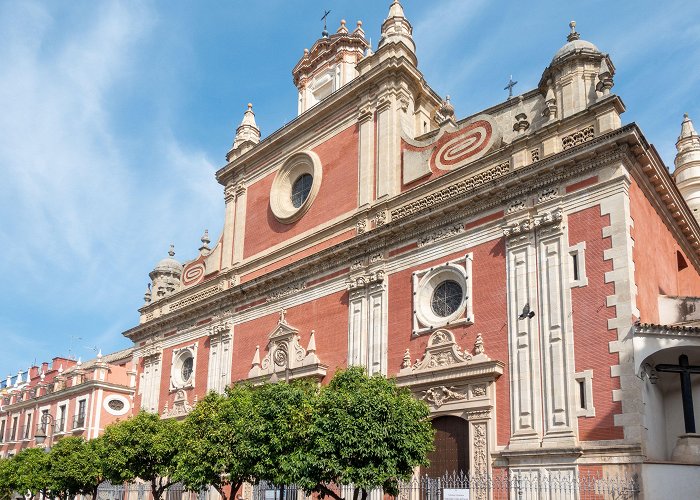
451	453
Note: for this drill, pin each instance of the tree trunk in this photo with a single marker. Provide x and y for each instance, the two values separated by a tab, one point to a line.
322	488
220	489
364	494
356	494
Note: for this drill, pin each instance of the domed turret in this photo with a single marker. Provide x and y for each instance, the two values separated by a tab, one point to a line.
578	76
166	276
687	162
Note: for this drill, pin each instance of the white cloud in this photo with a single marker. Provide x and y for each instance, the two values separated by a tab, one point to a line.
81	218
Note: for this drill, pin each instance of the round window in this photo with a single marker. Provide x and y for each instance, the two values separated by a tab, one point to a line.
301	189
295	186
447	297
186	369
116	404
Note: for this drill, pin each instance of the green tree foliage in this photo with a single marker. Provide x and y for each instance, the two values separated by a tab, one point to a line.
6	473
28	472
76	466
284	413
367	432
217	446
143	446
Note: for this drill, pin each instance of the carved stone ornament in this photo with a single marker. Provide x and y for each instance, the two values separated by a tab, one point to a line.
438	396
442	352
536	221
220	328
151	349
286	291
285	357
441	234
181	406
363	280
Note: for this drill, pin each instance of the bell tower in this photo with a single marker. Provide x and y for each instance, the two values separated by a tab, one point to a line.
329	64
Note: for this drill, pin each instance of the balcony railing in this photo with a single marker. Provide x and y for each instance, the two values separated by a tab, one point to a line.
79	421
59	426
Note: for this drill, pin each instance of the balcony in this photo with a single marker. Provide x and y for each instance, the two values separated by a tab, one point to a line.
79	422
59	427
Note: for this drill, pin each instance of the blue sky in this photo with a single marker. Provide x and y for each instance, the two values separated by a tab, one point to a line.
114	117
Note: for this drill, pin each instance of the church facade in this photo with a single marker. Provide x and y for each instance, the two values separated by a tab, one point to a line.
524	270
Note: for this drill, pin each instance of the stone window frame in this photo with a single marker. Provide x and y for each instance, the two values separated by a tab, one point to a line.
578	251
76	413
116	397
586	378
298	164
424	284
178	357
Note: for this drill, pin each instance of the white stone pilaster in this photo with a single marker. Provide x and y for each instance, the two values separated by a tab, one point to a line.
366	156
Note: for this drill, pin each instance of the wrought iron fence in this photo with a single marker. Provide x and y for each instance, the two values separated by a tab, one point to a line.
564	484
142	491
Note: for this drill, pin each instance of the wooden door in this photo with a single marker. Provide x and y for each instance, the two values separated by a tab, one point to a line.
451	454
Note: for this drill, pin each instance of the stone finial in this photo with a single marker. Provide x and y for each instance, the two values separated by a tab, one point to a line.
521	121
247	133
99	354
204	249
605	80
687	128
311	349
447	110
550	103
342	29
147	294
396	28
574	34
171	252
79	363
283	319
42	375
18	380
60	369
479	345
406	359
359	31
256	357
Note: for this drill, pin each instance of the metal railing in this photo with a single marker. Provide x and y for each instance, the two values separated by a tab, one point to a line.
79	421
563	484
142	491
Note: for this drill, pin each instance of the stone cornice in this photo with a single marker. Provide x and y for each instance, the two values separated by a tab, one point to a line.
666	330
553	170
86	386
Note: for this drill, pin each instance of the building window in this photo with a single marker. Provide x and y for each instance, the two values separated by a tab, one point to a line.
28	427
584	393
295	186
577	265
13	432
79	422
61	420
301	189
442	296
183	367
116	405
2	431
447	298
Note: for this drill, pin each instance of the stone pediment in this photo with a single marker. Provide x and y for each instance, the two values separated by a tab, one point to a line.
286	359
444	359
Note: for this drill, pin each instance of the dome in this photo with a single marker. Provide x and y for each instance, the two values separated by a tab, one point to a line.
169	264
575	44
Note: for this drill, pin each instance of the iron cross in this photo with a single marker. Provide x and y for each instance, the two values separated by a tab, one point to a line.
510	86
684	369
325	16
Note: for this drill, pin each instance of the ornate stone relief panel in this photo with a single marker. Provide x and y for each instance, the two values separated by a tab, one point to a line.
286	358
181	406
368	318
541	348
220	355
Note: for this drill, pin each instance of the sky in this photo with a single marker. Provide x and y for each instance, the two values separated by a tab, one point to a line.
114	117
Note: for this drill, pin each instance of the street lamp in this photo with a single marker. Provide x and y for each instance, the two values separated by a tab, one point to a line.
40	435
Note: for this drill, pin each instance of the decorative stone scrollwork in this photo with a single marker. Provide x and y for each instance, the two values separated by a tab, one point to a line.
286	291
578	137
363	280
438	396
286	356
547	194
361	226
380	218
442	351
181	406
441	234
537	221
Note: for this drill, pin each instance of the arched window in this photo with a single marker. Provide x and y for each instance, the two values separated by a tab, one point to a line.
451	453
